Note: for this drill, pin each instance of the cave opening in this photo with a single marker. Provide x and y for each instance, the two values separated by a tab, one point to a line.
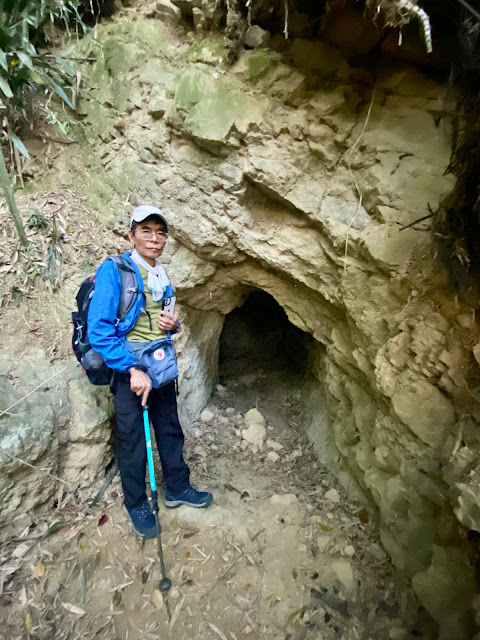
257	337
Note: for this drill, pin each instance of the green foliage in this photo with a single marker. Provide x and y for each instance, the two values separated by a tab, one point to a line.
17	296
27	70
37	220
25	64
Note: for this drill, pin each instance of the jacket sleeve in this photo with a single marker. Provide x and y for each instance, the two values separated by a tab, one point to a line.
102	316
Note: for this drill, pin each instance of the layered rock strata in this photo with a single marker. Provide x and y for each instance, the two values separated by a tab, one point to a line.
299	181
273	184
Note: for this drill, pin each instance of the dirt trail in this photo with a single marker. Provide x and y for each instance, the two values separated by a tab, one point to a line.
282	553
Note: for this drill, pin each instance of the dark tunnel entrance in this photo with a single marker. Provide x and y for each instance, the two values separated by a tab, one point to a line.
258	337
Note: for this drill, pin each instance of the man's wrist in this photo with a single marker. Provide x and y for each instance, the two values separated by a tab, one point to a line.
138	367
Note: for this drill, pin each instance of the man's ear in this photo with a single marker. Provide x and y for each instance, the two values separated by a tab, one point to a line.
131	236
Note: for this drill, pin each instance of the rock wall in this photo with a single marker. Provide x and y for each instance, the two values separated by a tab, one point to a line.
53	441
294	175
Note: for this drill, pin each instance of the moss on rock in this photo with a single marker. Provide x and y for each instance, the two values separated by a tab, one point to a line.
207	50
151	36
212	106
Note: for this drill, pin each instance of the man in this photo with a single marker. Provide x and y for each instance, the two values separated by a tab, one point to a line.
117	342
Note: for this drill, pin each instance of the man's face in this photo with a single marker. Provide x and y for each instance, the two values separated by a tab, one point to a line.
149	239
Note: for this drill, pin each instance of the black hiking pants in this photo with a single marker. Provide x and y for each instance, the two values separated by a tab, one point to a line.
132	453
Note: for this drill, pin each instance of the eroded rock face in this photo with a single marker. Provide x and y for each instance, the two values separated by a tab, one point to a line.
57	436
302	194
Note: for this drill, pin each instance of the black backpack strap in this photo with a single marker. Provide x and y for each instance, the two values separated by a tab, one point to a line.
84	295
130	289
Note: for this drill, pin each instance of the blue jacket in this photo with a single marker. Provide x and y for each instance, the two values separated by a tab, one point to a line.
106	336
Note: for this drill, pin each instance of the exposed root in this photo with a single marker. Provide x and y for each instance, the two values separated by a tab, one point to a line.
357	188
397	13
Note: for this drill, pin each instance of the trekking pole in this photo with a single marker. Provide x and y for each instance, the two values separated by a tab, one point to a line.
165	583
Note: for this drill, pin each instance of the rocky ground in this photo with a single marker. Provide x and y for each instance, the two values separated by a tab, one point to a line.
284	552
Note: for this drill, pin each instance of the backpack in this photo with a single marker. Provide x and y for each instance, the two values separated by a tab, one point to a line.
92	363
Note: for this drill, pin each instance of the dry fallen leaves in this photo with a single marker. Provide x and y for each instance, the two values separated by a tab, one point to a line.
28	623
38	570
103	520
216	630
176	613
295	616
72	608
73	532
157	598
273	597
190	534
21	550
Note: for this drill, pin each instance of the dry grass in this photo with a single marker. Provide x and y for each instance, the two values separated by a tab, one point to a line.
38	284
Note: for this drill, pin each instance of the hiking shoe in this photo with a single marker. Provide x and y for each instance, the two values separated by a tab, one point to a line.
142	519
191	497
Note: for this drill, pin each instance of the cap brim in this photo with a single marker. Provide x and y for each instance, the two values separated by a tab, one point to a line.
143	212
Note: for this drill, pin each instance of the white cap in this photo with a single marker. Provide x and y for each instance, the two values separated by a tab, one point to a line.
144	211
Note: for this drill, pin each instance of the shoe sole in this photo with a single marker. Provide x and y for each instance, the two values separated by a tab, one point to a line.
139	534
171	504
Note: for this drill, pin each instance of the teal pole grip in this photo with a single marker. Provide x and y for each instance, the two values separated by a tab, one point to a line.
148	441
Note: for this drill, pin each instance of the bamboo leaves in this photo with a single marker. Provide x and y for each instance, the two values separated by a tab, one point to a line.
3	60
5	87
25	65
61	94
19	144
25	59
